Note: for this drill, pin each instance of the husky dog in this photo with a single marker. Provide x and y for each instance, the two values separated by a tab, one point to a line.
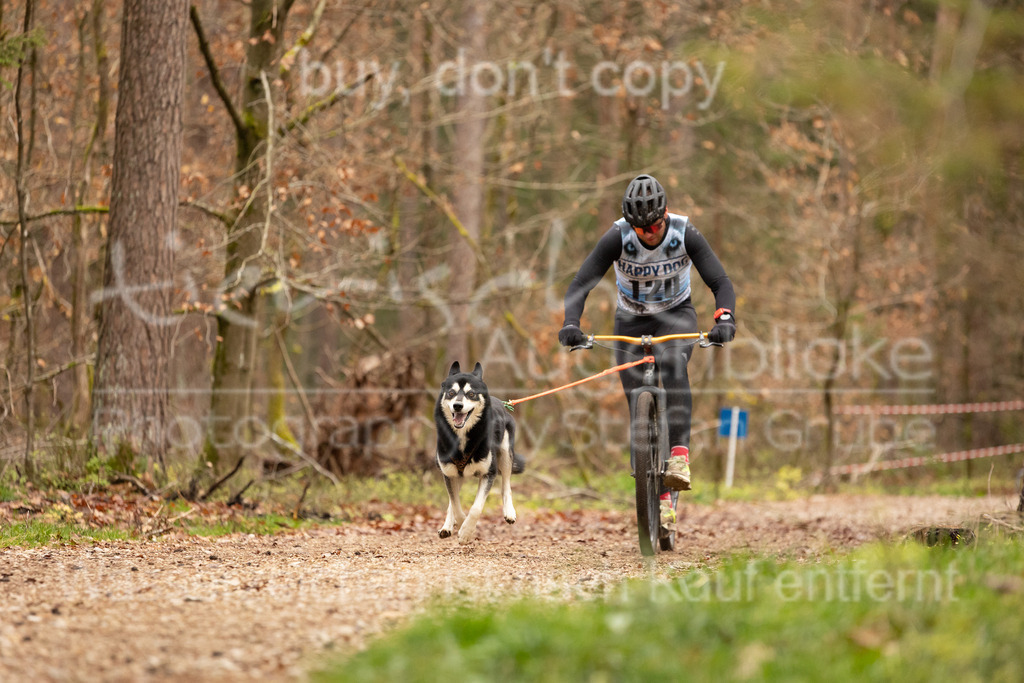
475	438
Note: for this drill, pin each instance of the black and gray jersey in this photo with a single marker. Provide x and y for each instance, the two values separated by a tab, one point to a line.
650	280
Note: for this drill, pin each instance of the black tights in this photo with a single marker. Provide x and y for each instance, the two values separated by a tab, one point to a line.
672	358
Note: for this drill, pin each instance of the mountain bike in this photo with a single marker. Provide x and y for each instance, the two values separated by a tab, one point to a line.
648	442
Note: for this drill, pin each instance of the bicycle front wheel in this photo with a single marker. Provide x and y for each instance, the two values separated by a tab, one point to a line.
644	451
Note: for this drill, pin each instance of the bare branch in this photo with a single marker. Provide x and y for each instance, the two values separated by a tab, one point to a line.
294	377
211	65
299	452
303	40
269	157
321	294
237	498
123	478
220	482
58	212
47	376
221	216
225	218
344	32
442	204
326	103
298	505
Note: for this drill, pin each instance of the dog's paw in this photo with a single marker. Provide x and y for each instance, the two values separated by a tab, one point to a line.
444	532
511	519
466	533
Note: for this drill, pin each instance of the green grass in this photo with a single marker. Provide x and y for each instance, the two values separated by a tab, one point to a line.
414	488
7	493
927	482
41	532
904	613
34	533
563	488
249	524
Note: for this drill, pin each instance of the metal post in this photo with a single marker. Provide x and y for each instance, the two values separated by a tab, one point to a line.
734	429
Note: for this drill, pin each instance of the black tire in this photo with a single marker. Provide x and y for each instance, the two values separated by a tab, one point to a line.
644	451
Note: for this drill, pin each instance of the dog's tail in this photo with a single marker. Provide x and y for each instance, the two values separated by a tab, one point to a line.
518	463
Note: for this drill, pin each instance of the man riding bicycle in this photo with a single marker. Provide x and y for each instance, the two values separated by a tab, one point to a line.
652	251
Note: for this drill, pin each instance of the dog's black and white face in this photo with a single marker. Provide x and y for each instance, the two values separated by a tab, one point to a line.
463	398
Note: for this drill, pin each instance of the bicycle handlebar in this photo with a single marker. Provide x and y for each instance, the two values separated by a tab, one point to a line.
646	340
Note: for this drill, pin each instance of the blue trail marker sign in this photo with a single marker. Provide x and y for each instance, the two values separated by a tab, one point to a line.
733	424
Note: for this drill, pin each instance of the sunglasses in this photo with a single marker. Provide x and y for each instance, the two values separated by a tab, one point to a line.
652	229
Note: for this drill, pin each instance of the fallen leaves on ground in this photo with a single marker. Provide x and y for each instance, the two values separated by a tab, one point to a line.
244	606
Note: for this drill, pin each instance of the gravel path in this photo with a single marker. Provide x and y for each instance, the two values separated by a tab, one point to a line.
249	607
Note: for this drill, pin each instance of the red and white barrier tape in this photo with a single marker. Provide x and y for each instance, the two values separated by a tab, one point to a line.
956	456
940	409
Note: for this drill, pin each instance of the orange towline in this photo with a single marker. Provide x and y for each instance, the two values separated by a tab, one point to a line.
618	368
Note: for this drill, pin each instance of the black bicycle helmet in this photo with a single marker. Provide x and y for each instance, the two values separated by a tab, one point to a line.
644	202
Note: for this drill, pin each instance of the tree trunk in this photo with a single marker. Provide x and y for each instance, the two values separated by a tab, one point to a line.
239	324
411	318
469	187
95	153
946	21
26	139
610	125
131	393
844	271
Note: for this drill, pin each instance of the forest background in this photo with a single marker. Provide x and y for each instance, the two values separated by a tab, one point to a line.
370	190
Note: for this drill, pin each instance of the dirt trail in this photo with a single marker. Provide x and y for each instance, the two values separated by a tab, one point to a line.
247	607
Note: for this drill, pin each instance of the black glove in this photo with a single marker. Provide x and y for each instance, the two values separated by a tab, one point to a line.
571	335
724	329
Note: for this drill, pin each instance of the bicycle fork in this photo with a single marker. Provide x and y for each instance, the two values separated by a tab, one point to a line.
650	383
659	395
